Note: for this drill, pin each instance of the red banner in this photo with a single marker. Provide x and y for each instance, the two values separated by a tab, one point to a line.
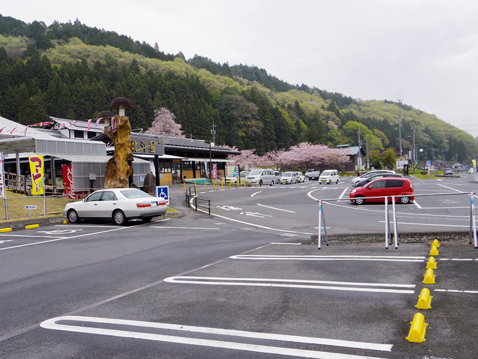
68	181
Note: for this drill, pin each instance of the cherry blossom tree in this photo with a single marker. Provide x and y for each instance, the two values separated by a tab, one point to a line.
307	155
246	157
164	124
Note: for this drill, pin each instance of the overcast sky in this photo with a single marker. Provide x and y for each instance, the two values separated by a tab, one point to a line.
423	52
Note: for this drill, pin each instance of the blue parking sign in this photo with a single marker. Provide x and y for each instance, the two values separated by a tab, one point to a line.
163	192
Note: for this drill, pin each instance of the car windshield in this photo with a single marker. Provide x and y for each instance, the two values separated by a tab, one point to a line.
255	172
134	193
327	173
287	174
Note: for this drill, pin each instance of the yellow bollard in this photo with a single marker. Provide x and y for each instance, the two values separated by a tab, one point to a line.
431	263
429	277
230	184
436	243
185	191
195	188
237	182
205	186
222	184
434	251
417	329
214	185
424	299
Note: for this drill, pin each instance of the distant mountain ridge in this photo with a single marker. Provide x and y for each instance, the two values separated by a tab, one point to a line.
72	71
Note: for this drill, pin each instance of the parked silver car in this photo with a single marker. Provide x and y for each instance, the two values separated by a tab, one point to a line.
288	178
117	204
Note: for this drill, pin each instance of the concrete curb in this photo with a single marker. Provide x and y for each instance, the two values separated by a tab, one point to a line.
423	237
22	223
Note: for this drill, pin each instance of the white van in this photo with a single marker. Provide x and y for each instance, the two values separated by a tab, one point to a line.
329	176
260	177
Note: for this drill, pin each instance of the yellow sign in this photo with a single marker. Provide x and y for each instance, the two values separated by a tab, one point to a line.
36	170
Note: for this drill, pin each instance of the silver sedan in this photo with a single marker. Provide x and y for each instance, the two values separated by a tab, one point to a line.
117	204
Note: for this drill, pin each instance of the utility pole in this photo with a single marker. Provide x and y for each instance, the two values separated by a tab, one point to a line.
368	156
359	147
400	126
414	149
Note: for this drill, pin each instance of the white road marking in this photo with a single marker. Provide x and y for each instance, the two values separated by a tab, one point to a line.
328	258
453	189
61	238
8	240
416	204
257	225
457	291
82	328
169	227
252	195
287	244
303	284
277	209
343	193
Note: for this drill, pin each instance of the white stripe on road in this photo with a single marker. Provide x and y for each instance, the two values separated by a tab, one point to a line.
81	328
457	291
453	189
169	227
277	209
328	258
303	284
252	195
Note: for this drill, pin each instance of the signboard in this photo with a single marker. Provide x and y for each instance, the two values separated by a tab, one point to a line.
163	192
2	177
146	144
36	170
68	181
231	171
401	164
30	206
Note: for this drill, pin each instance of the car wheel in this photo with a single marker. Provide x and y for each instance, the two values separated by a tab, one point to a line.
272	182
337	182
405	200
260	183
119	218
146	219
359	200
73	216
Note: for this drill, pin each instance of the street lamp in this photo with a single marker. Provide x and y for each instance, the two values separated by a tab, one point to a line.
211	145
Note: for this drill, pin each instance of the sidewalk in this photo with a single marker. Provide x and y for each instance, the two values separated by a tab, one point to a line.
176	195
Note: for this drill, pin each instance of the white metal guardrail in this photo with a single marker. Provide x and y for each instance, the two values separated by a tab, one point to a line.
388	234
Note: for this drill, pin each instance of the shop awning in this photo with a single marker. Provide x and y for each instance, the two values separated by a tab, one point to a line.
206	160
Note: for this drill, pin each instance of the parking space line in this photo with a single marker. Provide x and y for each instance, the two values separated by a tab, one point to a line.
267	349
52	324
169	227
456	291
327	258
303	284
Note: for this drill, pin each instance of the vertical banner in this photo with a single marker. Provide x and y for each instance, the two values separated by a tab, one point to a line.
68	181
36	170
2	177
214	171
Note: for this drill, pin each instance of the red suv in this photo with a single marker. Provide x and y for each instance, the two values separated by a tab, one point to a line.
384	187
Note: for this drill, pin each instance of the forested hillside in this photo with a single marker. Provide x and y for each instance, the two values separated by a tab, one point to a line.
74	71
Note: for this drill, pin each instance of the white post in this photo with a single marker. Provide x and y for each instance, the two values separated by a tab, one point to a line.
387	228
395	225
319	238
473	219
